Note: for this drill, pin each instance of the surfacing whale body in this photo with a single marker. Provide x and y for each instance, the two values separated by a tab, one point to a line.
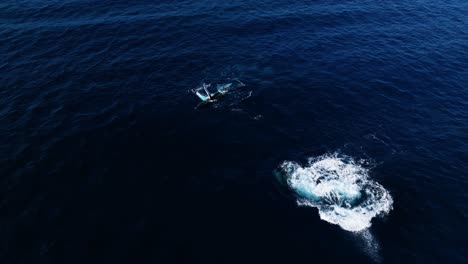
206	96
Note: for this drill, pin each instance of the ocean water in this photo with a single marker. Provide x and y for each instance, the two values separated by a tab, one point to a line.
347	142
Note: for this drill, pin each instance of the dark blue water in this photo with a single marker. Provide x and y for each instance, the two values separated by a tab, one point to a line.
104	157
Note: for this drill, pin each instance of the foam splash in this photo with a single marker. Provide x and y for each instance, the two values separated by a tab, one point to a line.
340	189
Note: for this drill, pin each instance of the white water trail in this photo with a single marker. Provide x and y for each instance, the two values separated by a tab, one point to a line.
369	245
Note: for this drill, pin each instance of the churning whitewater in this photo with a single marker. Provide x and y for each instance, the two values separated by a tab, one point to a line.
340	188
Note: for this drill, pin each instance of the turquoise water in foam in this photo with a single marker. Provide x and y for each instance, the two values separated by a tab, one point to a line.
340	189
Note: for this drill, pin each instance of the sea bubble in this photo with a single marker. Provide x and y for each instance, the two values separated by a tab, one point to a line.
340	188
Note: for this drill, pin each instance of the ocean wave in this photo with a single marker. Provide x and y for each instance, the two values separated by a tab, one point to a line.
340	188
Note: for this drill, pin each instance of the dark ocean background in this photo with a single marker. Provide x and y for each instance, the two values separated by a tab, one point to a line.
105	158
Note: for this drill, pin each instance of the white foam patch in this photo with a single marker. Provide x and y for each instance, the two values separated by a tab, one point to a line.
340	189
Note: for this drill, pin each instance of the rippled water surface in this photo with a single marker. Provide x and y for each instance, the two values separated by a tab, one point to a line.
107	157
